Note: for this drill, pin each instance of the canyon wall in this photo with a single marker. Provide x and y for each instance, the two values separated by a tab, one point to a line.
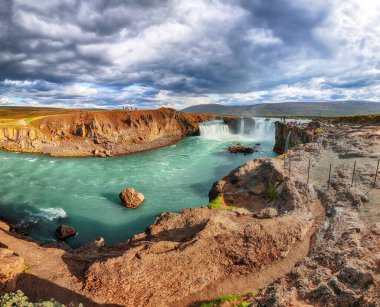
101	133
299	134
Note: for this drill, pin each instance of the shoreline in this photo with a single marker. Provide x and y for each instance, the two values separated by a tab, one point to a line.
31	152
81	133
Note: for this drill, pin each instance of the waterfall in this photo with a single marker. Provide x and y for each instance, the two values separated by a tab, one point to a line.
287	141
242	131
214	130
248	129
263	130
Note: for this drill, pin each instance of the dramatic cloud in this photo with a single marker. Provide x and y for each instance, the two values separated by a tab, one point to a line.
108	53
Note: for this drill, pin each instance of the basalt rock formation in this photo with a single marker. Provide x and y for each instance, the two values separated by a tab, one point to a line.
101	133
235	124
299	134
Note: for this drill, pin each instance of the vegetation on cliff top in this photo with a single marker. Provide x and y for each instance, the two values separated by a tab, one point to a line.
334	108
13	117
18	298
236	300
272	192
218	203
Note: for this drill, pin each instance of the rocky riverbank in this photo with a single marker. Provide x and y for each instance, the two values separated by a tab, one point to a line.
269	233
99	133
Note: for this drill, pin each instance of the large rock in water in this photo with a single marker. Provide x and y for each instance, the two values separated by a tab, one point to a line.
64	232
131	198
241	149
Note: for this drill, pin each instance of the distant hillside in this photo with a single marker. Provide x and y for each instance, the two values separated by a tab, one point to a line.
291	108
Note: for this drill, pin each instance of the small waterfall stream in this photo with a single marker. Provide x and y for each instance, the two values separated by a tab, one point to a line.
242	128
287	141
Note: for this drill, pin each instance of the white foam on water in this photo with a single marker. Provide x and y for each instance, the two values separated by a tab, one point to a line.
88	196
52	213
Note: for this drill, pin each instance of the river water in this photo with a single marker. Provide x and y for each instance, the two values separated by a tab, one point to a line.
42	192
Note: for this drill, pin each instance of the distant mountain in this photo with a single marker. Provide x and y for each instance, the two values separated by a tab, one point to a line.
291	108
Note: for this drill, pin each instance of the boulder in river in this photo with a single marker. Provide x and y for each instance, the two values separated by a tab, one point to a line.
241	149
131	198
64	232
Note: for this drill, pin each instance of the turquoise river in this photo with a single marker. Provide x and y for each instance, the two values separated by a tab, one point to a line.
41	192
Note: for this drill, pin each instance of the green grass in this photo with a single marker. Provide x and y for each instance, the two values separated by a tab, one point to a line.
319	131
26	269
217	203
221	299
272	192
18	298
369	119
292	109
13	117
232	298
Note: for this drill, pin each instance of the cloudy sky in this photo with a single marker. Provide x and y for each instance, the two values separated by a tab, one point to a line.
152	53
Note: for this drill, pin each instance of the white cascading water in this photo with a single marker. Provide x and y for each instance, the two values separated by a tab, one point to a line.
261	130
264	130
242	126
214	130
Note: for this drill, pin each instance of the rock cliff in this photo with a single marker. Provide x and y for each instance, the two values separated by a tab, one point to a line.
299	134
101	133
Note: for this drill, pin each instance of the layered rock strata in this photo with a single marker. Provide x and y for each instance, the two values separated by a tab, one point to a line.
101	133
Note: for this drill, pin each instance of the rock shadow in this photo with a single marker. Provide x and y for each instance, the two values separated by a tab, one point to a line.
113	197
40	289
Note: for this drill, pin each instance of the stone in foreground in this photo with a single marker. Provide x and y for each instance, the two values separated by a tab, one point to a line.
131	198
64	232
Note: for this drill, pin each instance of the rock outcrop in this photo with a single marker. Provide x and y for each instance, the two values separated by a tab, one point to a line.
101	133
299	134
241	149
131	198
238	125
64	232
11	265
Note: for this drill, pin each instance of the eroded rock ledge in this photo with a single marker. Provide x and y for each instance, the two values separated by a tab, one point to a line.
101	133
298	134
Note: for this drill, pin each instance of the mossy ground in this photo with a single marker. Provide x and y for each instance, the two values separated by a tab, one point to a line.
14	117
236	300
218	203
